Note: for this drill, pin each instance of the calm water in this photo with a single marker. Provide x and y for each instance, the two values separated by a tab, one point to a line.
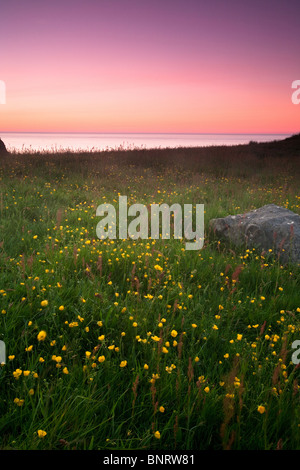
60	142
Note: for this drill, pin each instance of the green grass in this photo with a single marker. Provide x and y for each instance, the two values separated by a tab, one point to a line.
203	342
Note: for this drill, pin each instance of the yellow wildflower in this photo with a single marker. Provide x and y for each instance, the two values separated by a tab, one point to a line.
42	335
261	409
158	268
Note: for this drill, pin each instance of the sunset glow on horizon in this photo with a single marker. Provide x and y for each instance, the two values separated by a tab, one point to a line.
149	66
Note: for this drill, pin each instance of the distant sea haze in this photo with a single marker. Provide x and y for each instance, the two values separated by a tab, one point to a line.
57	142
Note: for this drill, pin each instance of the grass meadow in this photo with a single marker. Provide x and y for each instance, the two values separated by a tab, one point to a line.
141	344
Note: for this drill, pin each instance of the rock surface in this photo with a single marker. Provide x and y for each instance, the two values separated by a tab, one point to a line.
269	227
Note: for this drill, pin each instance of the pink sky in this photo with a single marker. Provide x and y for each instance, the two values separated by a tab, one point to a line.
150	66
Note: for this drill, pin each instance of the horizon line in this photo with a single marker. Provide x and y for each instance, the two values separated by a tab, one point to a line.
148	133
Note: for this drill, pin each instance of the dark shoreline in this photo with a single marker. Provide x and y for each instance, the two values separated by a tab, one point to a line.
243	160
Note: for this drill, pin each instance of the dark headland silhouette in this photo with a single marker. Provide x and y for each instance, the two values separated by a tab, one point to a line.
288	147
3	149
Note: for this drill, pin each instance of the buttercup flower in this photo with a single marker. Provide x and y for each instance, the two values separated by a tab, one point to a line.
42	335
158	268
261	409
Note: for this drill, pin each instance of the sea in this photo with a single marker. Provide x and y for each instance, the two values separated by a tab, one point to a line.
60	142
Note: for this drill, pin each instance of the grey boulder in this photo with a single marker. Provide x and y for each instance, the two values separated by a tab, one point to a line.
269	227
